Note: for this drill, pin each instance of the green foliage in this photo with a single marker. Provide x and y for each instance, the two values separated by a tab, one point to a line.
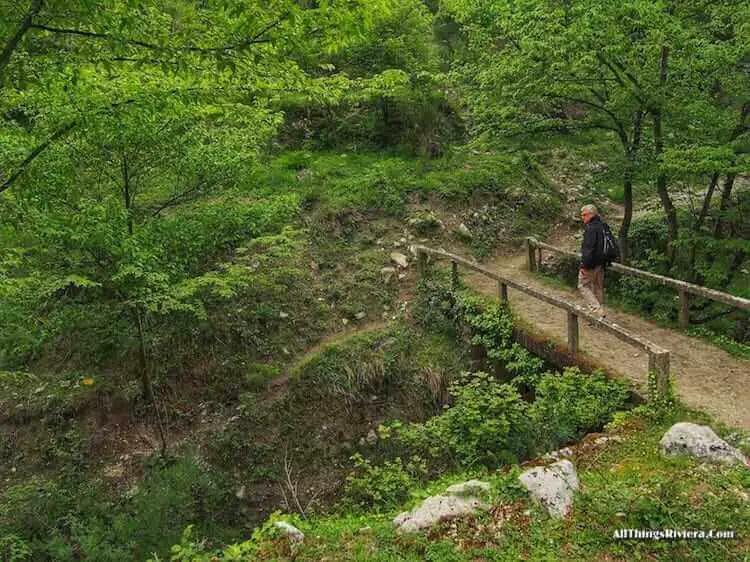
569	404
383	486
60	519
487	424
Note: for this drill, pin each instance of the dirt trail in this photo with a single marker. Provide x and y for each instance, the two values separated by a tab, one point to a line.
706	377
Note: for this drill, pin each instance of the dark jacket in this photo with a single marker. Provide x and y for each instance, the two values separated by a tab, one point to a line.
592	248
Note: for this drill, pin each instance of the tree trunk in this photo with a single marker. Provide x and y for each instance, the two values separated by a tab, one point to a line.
628	216
697	225
661	179
15	39
726	196
631	149
146	383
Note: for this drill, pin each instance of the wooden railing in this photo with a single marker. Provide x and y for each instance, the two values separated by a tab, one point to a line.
658	358
683	288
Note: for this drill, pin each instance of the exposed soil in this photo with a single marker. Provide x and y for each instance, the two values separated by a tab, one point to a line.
705	376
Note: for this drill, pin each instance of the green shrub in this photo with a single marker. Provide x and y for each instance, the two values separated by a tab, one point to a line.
570	404
383	486
488	424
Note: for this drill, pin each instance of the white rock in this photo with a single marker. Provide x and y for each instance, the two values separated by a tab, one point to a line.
559	454
698	441
283	315
435	509
399	259
240	494
387	273
344	321
372	437
360	315
552	486
464	231
468	488
295	536
604	439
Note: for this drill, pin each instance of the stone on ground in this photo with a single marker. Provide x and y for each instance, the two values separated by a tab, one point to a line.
472	487
700	442
399	259
552	486
456	502
288	530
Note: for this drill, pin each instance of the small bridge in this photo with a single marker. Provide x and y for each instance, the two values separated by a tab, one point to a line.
659	358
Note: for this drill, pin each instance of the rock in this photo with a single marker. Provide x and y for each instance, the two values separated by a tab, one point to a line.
599	167
552	486
435	509
345	321
698	441
387	273
559	454
464	231
360	315
283	315
607	439
399	259
472	487
240	494
372	437
296	537
424	222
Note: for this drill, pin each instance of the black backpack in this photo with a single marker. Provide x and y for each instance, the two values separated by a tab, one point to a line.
611	250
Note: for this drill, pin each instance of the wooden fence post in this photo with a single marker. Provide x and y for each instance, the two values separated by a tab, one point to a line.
532	257
572	333
502	292
658	363
421	263
684	309
454	275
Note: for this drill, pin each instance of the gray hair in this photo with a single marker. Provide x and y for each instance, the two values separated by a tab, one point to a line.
590	209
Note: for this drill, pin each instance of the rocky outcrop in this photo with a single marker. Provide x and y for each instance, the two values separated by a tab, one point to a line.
457	501
700	442
552	486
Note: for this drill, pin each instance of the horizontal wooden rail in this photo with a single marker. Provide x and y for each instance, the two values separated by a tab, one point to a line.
658	356
683	287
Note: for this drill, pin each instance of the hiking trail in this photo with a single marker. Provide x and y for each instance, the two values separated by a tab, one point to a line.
704	376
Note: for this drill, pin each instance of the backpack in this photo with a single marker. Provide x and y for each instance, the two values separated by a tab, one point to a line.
611	250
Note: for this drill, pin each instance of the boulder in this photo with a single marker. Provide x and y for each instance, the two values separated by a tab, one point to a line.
700	442
552	486
436	509
472	487
399	259
295	536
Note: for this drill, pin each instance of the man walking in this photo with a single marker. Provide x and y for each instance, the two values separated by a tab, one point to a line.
591	274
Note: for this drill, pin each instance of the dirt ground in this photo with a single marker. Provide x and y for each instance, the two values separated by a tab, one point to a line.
705	376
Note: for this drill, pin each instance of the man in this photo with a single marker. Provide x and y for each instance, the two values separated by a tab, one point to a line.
591	274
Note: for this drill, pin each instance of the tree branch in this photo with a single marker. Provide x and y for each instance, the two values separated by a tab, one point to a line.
23	27
36	152
255	39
